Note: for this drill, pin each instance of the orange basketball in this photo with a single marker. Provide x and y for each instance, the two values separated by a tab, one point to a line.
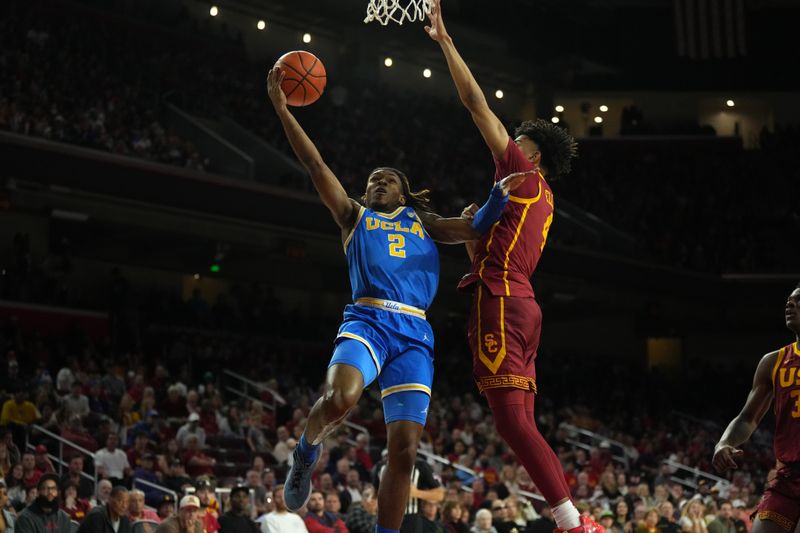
305	77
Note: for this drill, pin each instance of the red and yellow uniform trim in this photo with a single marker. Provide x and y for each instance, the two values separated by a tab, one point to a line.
778	518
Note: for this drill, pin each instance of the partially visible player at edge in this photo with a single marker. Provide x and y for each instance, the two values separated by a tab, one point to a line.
777	378
505	321
394	273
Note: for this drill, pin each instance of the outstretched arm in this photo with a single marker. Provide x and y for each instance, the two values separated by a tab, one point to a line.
325	181
470	227
492	130
741	427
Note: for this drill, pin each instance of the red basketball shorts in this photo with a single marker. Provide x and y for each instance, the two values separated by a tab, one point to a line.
504	336
781	500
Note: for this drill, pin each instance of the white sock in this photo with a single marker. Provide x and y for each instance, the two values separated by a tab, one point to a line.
566	516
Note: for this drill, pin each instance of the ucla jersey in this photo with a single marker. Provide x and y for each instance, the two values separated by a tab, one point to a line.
391	257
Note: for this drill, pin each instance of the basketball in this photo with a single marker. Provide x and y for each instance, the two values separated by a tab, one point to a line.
305	77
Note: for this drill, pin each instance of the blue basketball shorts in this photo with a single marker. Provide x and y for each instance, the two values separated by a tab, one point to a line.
396	349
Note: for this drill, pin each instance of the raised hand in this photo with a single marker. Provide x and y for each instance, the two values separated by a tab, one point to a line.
512	181
276	95
436	30
723	458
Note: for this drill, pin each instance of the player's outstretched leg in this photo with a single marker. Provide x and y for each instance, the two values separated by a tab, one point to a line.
512	410
343	387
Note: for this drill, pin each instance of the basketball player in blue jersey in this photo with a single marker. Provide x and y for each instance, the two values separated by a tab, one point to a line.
388	239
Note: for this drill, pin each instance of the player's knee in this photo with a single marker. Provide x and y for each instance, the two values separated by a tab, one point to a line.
340	401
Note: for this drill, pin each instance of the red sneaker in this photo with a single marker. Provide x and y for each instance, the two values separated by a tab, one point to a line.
587	526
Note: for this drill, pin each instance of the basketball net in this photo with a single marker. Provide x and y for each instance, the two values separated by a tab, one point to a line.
385	11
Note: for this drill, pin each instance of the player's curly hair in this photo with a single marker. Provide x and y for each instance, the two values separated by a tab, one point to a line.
558	147
419	200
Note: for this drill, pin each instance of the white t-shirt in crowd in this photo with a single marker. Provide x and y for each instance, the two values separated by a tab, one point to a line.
114	462
276	522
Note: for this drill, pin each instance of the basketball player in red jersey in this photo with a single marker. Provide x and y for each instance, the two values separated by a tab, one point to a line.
777	378
505	321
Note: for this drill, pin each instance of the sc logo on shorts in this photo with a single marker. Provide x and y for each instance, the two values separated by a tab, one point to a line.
490	343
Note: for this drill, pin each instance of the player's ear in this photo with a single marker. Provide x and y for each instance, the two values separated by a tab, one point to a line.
537	158
402	200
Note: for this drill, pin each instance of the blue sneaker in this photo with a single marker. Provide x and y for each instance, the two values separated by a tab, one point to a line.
298	482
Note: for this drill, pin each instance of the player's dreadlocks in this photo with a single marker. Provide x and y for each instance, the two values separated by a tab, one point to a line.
556	145
419	200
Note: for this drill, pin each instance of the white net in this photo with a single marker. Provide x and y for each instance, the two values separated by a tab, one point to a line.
399	11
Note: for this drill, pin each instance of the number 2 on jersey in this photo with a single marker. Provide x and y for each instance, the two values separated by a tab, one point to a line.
397	243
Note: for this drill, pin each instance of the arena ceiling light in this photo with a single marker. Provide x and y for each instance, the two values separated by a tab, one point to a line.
559	109
555	120
603	108
598	120
214	11
499	94
306	38
262	25
388	62
427	73
730	103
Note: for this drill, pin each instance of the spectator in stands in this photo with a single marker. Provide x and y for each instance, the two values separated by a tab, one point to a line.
351	492
483	522
319	521
451	518
209	508
667	522
137	510
429	512
606	519
500	519
650	522
196	461
7	516
692	518
74	431
176	477
102	493
255	481
76	403
281	450
147	472
16	489
74	506
111	461
621	517
18	412
5	460
238	520
362	452
363	515
30	474
724	523
186	521
333	504
166	506
138	451
112	517
7	437
191	429
43	463
281	520
127	415
73	475
175	404
43	515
